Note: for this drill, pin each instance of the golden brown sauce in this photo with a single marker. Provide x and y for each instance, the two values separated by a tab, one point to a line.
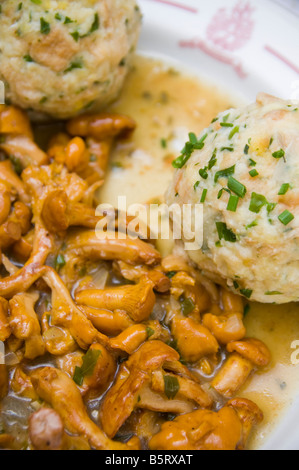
167	105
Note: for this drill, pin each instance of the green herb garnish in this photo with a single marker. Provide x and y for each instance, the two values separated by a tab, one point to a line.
233	203
284	189
279	154
45	27
171	386
225	233
286	217
224	173
246	292
236	187
253	173
203	196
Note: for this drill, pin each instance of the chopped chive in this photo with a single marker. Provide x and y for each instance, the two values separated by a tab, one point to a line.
284	189
203	173
221	192
203	196
225	233
246	292
171	386
257	202
252	224
74	65
229	149
226	124
75	35
149	331
78	376
96	23
224	173
213	160
28	58
236	187
196	185
271	206
279	154
233	203
190	146
68	20
170	274
246	310
187	305
251	162
45	27
274	292
286	217
60	262
163	143
236	285
233	132
246	149
254	173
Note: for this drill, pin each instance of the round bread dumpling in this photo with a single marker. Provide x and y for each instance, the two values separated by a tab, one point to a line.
244	170
61	58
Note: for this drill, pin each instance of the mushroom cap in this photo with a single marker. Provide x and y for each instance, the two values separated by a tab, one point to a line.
252	349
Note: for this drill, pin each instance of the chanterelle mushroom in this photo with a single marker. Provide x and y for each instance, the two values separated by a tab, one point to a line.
247	355
59	390
227	429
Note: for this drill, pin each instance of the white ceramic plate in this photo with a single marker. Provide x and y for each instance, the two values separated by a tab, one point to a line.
244	47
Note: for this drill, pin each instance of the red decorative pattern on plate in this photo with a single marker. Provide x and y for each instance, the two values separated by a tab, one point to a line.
282	58
227	31
216	54
177	5
231	29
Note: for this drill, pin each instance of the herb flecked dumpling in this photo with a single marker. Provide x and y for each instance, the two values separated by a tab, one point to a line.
244	169
63	57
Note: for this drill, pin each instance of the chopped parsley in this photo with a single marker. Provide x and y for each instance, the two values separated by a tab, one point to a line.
45	27
225	233
96	23
77	64
88	365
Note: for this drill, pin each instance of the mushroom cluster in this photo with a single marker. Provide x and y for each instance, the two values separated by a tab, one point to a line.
104	337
